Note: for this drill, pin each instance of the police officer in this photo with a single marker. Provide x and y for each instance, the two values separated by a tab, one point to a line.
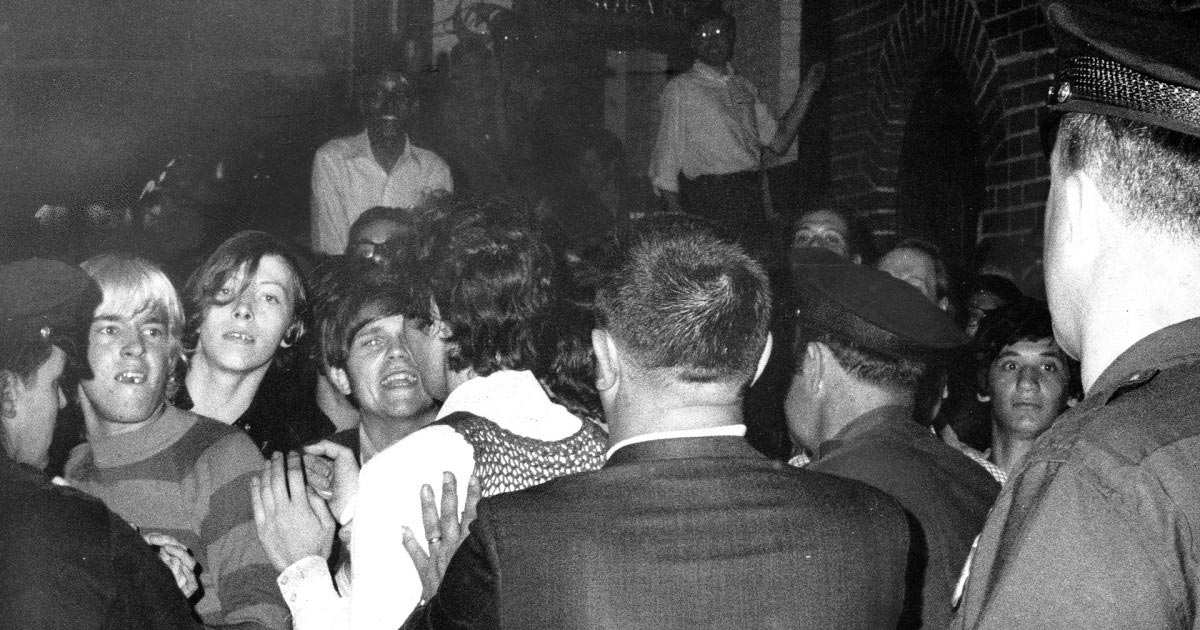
1096	530
864	341
68	562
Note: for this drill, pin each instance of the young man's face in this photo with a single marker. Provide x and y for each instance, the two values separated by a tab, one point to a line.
381	373
36	402
1029	383
244	333
131	361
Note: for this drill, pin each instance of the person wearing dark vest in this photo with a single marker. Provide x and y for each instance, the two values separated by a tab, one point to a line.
863	341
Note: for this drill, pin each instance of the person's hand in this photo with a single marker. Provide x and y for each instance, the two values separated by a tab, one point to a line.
292	521
178	559
444	530
333	473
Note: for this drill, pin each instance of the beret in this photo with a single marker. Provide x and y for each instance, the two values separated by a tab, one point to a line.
869	307
39	298
1133	59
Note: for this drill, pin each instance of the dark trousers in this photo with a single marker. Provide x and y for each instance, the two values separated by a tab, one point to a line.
733	202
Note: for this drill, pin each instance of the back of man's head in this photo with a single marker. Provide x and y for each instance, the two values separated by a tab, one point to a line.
1148	174
489	276
684	304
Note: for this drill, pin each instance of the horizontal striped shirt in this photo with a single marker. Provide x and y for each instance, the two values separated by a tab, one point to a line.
188	476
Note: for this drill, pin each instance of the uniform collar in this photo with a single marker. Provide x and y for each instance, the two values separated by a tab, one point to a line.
1142	361
890	418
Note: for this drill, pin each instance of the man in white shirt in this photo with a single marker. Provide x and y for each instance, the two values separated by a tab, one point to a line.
708	154
378	167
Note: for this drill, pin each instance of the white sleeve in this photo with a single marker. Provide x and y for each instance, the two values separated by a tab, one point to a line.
385	581
330	219
667	158
311	598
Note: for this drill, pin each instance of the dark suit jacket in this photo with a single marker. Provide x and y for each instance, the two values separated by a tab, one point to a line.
681	533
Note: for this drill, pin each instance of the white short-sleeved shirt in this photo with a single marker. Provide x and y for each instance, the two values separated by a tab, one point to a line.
712	124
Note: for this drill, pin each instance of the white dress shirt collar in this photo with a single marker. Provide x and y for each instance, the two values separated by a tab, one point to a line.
735	430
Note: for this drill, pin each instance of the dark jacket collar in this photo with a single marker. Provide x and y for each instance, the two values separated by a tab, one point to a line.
683	448
895	419
1163	348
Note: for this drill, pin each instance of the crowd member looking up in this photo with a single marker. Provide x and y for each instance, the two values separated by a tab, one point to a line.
833	228
708	155
920	264
483	293
686	526
247	311
69	562
161	468
1095	530
378	167
1025	378
863	342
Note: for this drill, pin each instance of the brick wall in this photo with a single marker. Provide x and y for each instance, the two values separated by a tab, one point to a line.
881	50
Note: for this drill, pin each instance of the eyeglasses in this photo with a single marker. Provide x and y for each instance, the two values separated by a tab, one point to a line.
367	249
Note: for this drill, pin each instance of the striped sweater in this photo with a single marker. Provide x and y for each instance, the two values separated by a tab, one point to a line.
189	477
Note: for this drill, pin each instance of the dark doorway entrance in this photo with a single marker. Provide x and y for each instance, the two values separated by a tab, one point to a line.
940	185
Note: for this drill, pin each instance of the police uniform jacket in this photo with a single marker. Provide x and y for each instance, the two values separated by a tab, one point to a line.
1100	528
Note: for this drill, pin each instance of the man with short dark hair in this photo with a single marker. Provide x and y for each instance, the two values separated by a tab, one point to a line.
369	361
1024	377
69	562
378	167
864	341
686	526
1096	528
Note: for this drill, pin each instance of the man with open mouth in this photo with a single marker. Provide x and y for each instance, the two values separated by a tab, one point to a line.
163	469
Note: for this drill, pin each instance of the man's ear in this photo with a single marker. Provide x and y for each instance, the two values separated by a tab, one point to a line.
338	377
763	358
1083	209
816	357
608	369
9	383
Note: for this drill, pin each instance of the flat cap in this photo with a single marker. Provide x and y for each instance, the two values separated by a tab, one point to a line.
43	298
1133	59
869	307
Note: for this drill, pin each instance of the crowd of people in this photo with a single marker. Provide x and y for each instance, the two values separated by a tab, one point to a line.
456	411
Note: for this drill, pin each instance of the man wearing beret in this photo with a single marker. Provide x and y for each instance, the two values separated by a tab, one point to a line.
863	341
1098	528
68	562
